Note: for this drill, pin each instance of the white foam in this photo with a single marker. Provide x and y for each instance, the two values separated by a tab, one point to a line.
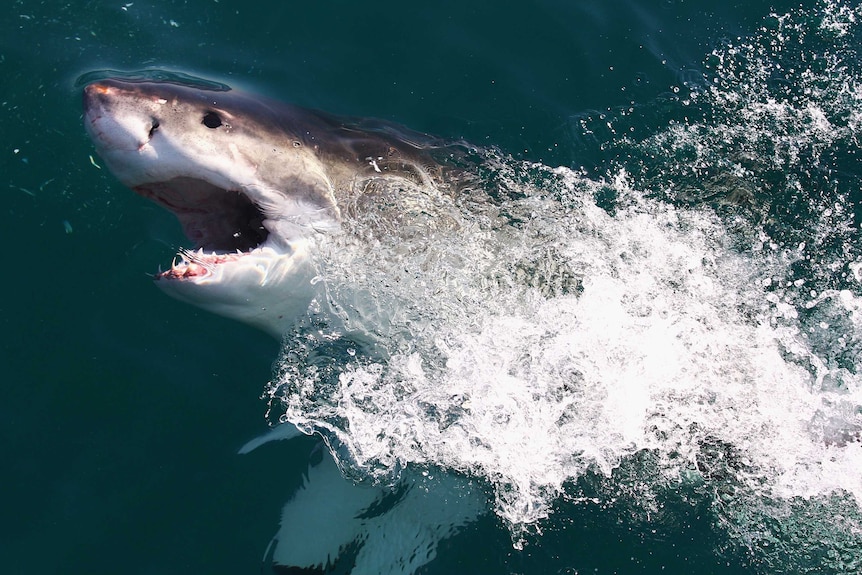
669	339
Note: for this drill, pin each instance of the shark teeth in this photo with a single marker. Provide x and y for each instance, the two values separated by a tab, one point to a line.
188	263
195	263
199	258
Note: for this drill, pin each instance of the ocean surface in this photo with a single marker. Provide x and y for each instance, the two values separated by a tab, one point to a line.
644	359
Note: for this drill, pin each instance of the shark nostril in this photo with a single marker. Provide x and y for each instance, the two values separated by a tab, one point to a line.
153	127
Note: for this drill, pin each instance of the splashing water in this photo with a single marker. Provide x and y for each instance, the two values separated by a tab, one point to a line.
700	303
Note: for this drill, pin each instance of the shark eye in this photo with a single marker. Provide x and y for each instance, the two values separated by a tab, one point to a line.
153	127
211	120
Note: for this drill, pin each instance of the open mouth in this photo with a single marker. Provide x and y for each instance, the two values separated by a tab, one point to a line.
224	225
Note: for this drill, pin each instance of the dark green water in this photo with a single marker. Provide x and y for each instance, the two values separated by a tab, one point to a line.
121	410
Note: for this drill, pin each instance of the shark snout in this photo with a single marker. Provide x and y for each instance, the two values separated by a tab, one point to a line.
111	122
96	96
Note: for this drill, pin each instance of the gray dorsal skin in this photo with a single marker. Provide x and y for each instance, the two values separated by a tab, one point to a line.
343	148
252	181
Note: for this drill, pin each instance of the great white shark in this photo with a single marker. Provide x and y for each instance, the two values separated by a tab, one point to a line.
254	183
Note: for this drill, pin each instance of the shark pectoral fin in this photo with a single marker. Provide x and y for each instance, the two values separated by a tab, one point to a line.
323	523
278	433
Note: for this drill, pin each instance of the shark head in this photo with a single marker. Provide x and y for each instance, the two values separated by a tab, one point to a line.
246	178
253	182
247	188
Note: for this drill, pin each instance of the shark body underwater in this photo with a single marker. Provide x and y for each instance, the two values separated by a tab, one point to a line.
253	182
